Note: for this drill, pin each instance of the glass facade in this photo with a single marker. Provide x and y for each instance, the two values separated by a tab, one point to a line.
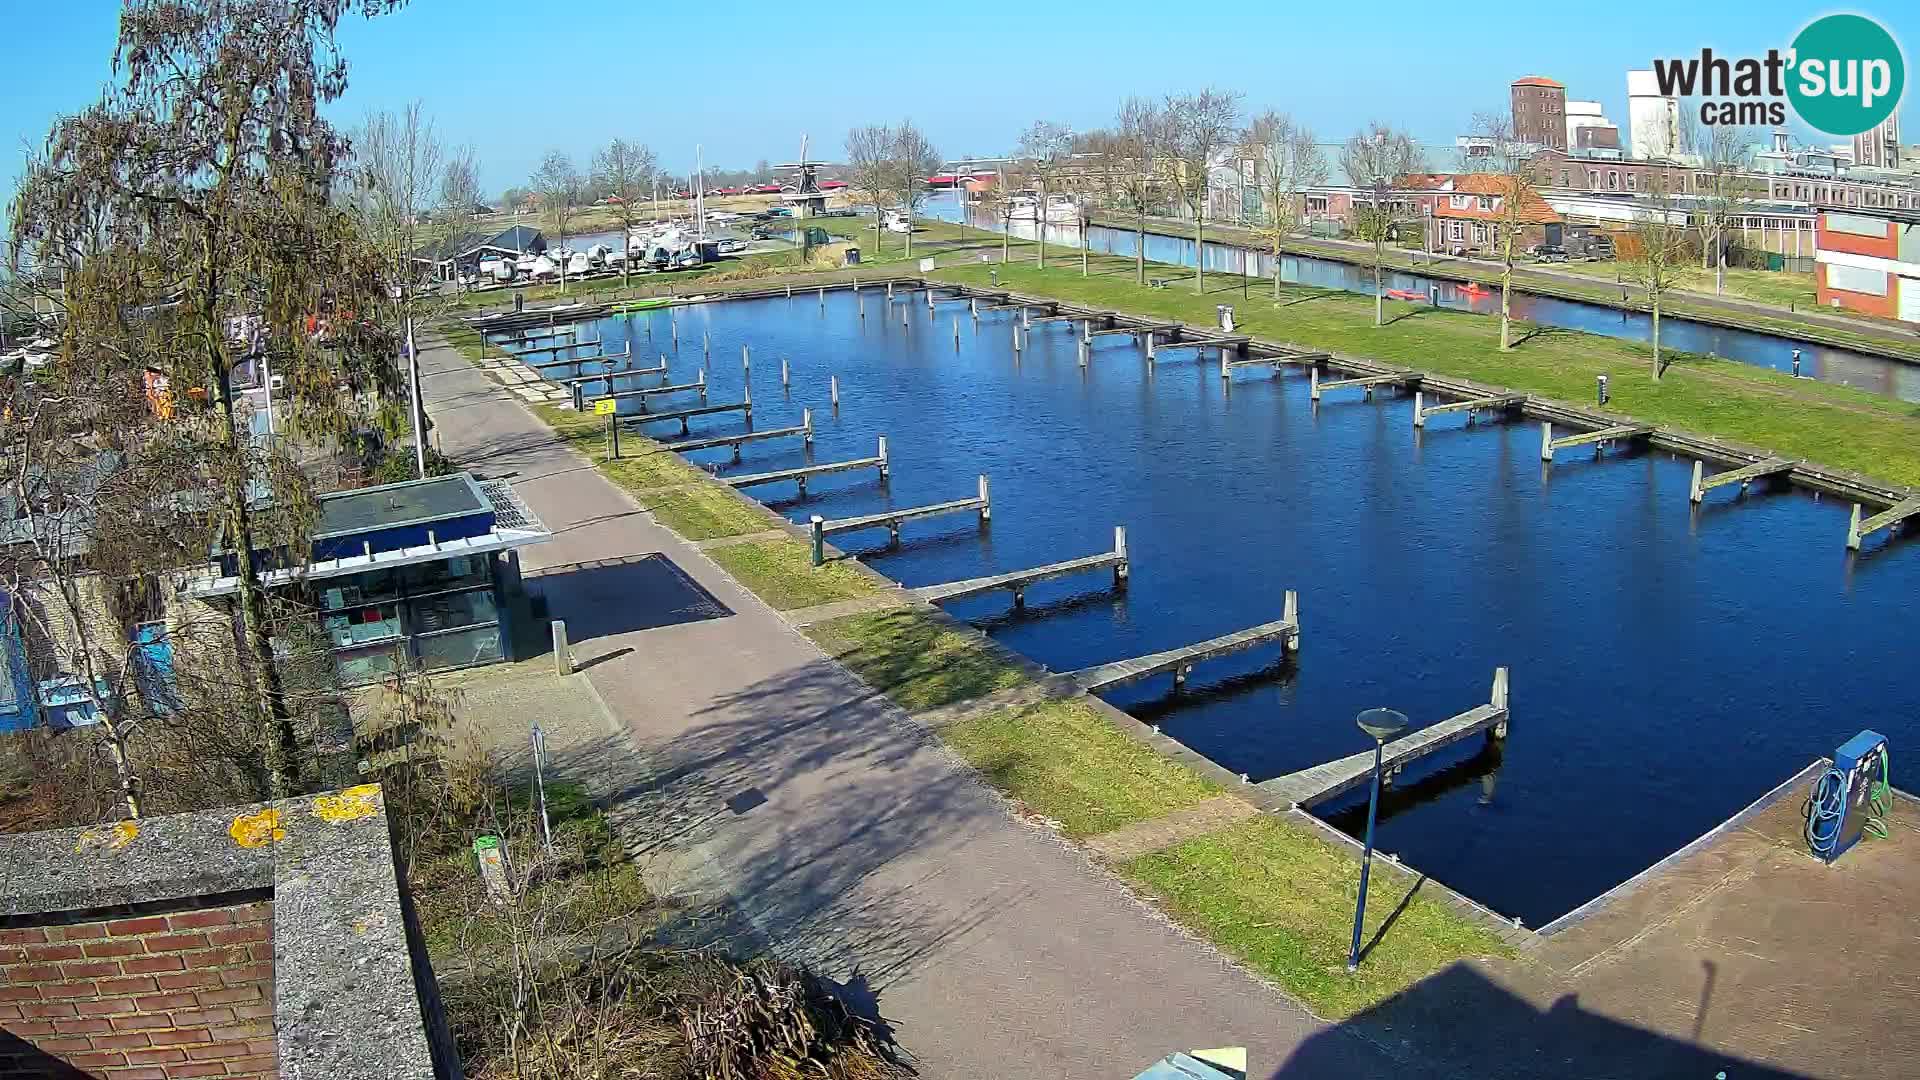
443	614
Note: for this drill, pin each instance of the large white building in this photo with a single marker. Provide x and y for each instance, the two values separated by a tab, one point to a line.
1879	146
1586	114
1653	119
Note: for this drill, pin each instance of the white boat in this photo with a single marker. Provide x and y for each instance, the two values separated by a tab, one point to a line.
525	262
497	269
543	267
897	221
1022	208
1062	208
579	263
598	254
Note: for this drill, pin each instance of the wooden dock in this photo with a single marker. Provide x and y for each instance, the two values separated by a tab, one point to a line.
1285	630
643	393
801	474
1471	406
892	519
804	430
1365	382
1598	438
1858	530
571	361
1744	475
1018	580
683	415
616	373
517	338
1341	775
536	351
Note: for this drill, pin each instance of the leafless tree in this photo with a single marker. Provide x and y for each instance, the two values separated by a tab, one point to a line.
1287	161
1375	159
1724	193
913	160
1658	236
199	190
870	172
1200	127
625	171
1508	163
557	184
1141	139
999	201
460	183
1045	150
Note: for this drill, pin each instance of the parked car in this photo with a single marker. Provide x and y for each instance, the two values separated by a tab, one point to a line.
1600	247
1549	253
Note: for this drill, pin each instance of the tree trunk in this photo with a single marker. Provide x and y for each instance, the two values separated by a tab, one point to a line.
1276	263
879	229
1506	296
1040	223
1006	241
1379	293
1655	298
282	742
909	235
1086	244
1200	251
1140	247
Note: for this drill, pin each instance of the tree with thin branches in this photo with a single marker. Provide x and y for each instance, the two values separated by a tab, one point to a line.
1508	163
1658	260
626	172
1287	161
557	185
1045	150
913	159
197	192
460	183
1376	159
1200	127
870	172
1140	140
1725	193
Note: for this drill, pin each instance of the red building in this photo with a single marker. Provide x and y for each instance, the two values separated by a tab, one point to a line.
1869	261
1540	112
1468	210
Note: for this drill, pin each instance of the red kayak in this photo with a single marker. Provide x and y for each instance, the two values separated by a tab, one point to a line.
1406	294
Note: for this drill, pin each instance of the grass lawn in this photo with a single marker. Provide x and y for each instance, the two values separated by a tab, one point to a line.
913	659
1776	287
1834	425
1067	762
1281	899
782	573
705	512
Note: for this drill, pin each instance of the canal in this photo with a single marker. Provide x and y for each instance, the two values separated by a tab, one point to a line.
1878	374
1669	663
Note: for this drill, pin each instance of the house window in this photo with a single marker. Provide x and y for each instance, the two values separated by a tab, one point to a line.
1486	202
1479	233
1457	231
1458	202
1630	181
1564	182
1593	179
1613	179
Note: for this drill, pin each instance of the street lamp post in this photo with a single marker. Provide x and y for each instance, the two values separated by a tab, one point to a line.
1381	724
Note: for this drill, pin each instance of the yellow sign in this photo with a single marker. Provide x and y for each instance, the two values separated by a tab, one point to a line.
604	407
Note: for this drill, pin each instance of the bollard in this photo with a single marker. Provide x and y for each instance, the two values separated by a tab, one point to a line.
1546	440
806	427
817	525
1223	363
1026	318
1419	412
973	308
986	501
1016	337
889	290
1120	569
1313	382
789	290
746	360
1290	612
785	380
1694	491
562	655
613	426
833	388
929	299
1149	347
883	457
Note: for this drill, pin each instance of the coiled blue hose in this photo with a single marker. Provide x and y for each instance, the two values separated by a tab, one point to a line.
1825	809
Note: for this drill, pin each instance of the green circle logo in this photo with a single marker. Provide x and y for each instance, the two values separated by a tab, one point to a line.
1847	74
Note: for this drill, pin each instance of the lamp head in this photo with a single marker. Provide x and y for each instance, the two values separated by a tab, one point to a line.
1382	724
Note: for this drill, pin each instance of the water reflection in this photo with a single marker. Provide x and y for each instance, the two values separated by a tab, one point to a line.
1844	367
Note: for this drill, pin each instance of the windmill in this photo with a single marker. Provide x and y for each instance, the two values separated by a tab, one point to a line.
807	198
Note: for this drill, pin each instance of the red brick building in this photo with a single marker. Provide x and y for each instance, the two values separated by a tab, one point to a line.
1540	112
1468	209
1868	261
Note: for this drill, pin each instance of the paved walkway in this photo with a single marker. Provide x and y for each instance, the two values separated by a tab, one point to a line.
752	770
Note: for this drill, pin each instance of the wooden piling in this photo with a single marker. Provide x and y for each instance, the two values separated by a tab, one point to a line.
956	331
746	359
1121	569
806	425
562	654
833	389
986	500
884	462
816	525
1419	409
785	380
1313	383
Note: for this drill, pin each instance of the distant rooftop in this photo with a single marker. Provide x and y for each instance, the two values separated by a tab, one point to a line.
1538	80
411	502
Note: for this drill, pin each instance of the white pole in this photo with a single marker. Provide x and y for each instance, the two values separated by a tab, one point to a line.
419	406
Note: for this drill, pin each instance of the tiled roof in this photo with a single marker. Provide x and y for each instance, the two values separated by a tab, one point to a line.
1533	209
1539	80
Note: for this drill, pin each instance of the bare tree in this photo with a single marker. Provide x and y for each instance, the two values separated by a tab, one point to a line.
1287	160
1376	159
557	184
1512	184
1199	128
999	201
1141	140
870	173
913	160
1045	150
626	172
199	189
460	183
1724	193
1658	235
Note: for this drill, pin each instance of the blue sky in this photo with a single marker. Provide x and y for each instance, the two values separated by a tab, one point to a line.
743	79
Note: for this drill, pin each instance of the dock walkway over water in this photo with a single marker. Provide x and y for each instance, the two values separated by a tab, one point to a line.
801	474
1328	780
1180	661
1018	580
891	520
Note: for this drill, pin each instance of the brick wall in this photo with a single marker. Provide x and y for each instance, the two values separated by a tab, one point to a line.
148	997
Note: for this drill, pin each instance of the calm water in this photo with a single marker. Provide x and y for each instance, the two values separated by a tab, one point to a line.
1669	664
1894	378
